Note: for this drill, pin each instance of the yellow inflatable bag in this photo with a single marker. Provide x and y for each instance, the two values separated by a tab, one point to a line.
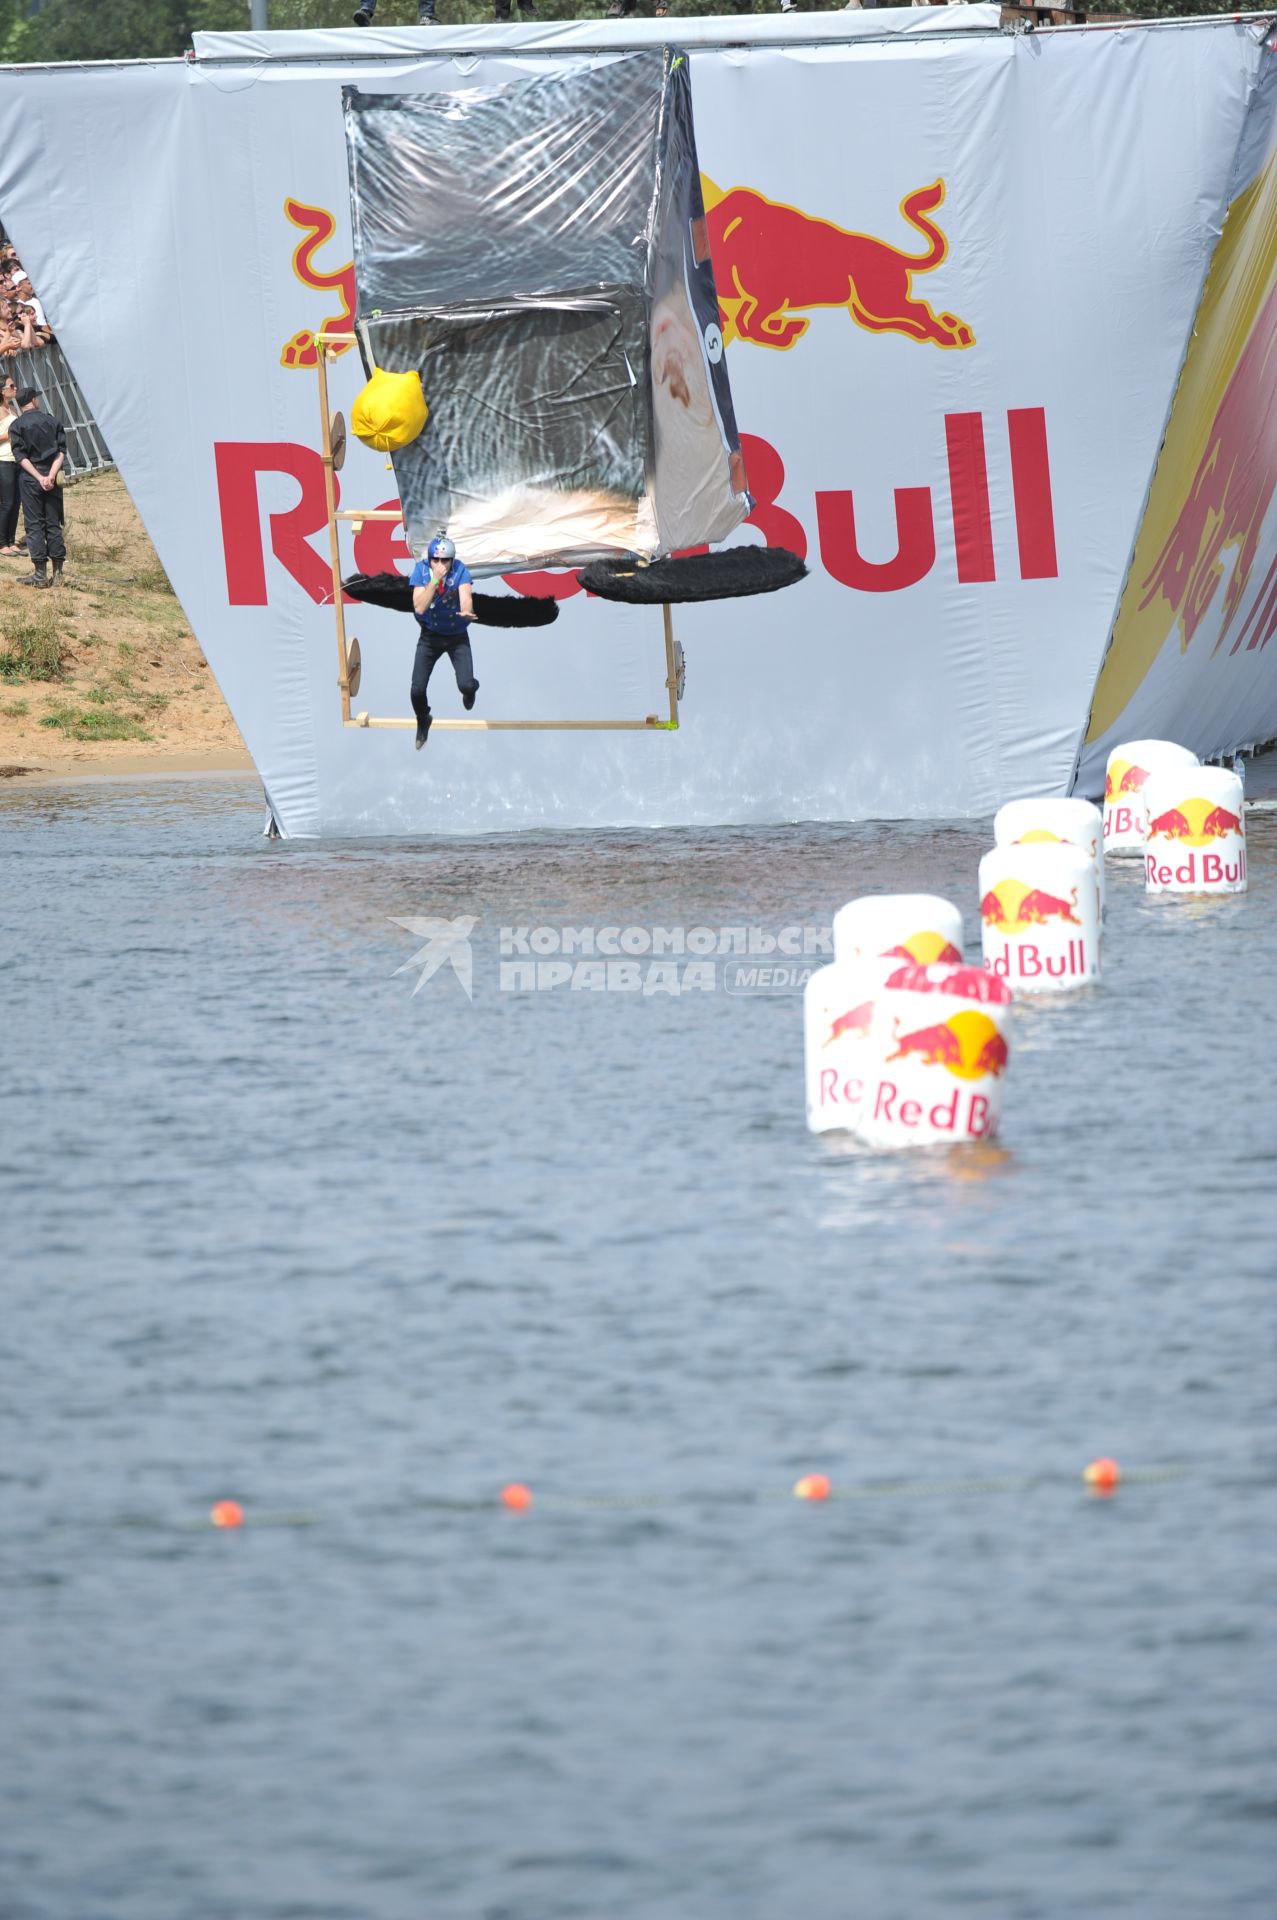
390	411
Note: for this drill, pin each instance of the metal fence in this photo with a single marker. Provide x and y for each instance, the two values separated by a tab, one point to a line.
47	369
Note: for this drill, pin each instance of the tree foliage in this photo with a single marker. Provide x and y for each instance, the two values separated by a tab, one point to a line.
158	29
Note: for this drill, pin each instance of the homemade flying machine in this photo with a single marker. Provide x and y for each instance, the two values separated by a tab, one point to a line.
536	249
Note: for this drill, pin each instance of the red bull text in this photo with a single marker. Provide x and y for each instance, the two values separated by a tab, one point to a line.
965	1115
1196	836
1196	872
282	483
1037	936
837	1025
937	1079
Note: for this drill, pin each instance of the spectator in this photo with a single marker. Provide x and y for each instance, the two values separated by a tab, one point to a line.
17	328
23	325
24	294
8	470
426	11
39	448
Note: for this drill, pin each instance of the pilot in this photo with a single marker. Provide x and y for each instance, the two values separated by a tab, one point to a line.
443	602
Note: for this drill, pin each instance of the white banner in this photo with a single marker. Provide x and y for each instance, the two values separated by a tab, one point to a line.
958	273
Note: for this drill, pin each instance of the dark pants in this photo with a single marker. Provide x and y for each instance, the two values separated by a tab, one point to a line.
9	471
42	513
430	650
425	11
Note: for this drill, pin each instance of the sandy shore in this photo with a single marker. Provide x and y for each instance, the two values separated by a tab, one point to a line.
124	766
102	676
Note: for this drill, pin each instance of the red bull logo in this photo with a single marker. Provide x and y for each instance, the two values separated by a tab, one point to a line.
1123	801
1026	935
855	1024
1013	908
962	1051
1209	841
924	950
837	1087
873	283
1194	822
774	263
318	227
1227	503
967	1045
1123	776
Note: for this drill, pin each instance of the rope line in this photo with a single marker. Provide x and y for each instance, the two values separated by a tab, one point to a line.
1101	1479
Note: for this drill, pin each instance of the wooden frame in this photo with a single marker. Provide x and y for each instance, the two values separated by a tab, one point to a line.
325	344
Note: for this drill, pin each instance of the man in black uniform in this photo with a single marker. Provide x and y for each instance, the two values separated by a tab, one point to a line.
40	450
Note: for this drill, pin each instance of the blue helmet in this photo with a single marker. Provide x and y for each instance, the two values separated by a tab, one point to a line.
441	548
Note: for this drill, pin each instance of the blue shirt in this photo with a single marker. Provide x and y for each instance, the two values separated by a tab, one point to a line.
443	615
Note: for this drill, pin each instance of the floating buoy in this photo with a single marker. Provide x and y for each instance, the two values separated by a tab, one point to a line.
882	931
226	1513
1040	916
1195	832
1128	768
1102	1475
812	1486
1075	822
838	1007
939	1051
516	1496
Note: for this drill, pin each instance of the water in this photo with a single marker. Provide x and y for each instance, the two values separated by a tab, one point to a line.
282	1230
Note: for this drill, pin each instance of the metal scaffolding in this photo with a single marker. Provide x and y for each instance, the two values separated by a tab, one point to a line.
47	369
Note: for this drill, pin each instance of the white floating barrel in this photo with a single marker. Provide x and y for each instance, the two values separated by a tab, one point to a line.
1078	823
884	931
1040	916
1128	768
938	1047
1195	834
838	1006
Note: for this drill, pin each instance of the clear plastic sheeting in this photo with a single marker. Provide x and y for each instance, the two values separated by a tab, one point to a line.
536	250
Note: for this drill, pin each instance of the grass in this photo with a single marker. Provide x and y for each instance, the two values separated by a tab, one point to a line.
96	722
153	580
112	706
33	648
115	639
